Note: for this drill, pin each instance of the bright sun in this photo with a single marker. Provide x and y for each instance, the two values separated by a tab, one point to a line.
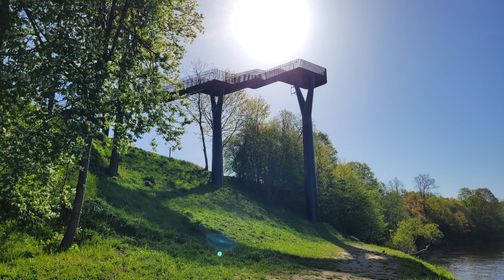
270	30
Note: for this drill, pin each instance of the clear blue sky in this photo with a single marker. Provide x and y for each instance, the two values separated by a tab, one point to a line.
413	86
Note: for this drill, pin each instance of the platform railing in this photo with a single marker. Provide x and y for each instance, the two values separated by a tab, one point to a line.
230	78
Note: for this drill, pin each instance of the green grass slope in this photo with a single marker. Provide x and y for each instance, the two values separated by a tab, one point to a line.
153	220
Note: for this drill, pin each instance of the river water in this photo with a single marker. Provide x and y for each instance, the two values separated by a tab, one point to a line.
468	263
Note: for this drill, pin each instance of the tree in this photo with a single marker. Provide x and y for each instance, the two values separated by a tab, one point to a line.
414	204
395	184
166	25
364	173
269	154
138	101
234	110
243	152
35	143
424	184
485	210
352	204
393	206
79	46
326	159
452	216
197	106
412	232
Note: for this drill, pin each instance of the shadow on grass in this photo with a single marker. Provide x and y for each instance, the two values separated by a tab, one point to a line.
356	260
143	216
152	224
148	223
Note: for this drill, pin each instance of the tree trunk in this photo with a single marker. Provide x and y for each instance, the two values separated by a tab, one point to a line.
113	169
202	132
204	148
79	197
204	144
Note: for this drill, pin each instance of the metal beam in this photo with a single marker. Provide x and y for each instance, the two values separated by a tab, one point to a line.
310	174
217	155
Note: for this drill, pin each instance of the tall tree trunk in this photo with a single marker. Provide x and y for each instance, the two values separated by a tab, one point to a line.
200	123
79	197
113	169
202	132
204	146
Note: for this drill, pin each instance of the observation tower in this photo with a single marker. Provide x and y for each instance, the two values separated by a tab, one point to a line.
299	73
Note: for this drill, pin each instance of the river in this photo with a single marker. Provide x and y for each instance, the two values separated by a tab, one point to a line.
468	263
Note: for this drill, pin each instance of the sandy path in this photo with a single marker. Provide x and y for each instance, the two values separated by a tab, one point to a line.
354	264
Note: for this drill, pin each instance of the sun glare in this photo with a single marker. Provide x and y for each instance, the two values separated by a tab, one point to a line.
270	30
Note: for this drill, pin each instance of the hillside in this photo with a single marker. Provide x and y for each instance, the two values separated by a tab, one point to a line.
158	220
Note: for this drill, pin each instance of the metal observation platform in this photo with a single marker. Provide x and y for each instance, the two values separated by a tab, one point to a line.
299	73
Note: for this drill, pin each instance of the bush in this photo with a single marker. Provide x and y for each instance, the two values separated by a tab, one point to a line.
412	232
352	205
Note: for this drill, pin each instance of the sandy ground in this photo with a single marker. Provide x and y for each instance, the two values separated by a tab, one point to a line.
354	264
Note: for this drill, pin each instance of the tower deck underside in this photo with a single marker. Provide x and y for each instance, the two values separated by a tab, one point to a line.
299	73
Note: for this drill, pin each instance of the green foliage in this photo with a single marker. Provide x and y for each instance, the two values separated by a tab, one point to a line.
485	211
148	60
394	209
269	154
66	68
451	215
412	232
476	215
326	160
352	203
34	161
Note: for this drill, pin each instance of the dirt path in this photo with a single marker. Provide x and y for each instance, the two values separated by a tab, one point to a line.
356	263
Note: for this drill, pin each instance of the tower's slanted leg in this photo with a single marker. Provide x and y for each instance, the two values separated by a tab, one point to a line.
217	156
310	175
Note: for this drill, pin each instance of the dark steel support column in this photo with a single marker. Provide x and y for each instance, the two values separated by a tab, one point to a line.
310	175
217	156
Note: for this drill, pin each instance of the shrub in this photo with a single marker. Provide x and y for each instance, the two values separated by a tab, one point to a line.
412	232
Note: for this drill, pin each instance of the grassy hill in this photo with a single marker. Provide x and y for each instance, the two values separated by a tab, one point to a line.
155	220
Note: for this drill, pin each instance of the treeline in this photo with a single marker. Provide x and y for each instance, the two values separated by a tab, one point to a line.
268	154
